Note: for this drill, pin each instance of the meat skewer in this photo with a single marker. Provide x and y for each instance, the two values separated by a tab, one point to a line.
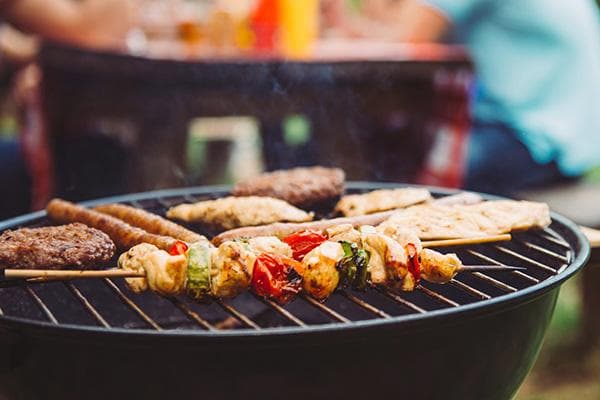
124	235
150	222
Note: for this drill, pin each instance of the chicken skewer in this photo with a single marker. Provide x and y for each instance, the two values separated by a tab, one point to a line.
277	269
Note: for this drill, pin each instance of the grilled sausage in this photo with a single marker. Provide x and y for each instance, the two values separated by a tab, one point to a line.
124	235
150	222
282	230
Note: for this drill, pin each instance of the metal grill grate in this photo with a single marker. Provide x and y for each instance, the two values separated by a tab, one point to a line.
107	304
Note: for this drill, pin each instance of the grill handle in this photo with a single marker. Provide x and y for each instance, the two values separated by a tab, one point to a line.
593	235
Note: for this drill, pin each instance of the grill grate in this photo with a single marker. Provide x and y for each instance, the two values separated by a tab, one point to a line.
107	304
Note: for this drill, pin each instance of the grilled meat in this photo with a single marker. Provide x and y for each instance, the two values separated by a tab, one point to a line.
55	247
320	274
381	200
231	268
124	235
439	268
232	212
165	274
283	229
303	187
435	221
150	222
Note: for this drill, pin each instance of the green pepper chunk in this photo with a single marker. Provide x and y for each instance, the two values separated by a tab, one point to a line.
198	272
361	259
347	265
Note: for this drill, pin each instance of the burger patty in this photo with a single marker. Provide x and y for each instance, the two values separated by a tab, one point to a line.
55	247
302	187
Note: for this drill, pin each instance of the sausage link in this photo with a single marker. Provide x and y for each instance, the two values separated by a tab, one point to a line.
150	222
124	235
282	229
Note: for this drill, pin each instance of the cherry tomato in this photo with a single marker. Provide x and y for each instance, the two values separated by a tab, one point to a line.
303	242
414	266
178	248
275	277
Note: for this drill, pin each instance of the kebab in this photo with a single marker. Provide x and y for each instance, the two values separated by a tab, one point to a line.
278	269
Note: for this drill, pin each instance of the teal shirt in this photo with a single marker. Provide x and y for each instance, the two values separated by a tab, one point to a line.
538	68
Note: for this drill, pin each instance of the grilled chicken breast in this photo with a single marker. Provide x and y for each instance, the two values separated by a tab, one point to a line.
233	212
435	221
320	274
381	200
231	268
165	273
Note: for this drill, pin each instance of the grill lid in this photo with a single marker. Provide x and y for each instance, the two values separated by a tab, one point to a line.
106	306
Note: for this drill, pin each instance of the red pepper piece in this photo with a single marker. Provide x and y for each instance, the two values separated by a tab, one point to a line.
303	242
178	248
275	277
414	266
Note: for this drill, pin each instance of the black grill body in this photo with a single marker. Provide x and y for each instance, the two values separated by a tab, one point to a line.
475	338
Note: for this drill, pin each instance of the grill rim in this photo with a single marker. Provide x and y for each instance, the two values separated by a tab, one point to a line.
580	246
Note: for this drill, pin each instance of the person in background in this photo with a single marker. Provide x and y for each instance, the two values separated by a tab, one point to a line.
536	119
101	24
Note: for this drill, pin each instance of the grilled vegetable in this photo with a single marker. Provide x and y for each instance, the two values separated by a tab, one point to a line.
353	267
303	242
198	272
347	267
361	259
275	277
178	248
414	265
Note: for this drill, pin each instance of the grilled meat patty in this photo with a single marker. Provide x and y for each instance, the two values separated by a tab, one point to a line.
302	187
55	247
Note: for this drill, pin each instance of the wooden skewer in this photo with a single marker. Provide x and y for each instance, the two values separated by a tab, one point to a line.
489	268
466	241
52	274
43	275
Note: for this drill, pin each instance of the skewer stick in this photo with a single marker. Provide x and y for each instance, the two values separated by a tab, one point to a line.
42	275
466	241
489	268
70	274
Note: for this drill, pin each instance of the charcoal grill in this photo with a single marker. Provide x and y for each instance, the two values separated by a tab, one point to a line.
474	338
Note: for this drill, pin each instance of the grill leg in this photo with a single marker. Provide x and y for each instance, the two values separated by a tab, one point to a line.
591	301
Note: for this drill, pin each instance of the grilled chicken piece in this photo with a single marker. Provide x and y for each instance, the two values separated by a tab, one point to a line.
320	275
381	200
165	274
271	245
435	221
437	267
401	234
343	233
388	263
231	268
233	212
132	260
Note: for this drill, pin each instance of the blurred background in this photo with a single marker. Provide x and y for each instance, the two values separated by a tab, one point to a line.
103	97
